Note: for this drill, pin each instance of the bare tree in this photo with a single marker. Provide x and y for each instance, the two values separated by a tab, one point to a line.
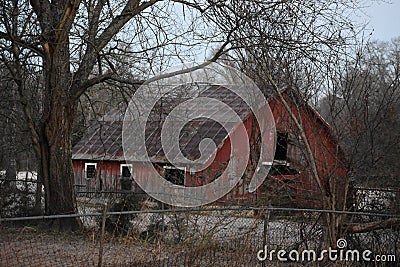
8	124
361	85
297	55
74	45
362	105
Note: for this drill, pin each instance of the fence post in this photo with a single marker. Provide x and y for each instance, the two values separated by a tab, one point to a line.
103	227
162	220
266	214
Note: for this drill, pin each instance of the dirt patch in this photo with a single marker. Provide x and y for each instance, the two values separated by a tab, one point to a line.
30	246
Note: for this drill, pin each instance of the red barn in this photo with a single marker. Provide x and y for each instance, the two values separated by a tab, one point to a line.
99	162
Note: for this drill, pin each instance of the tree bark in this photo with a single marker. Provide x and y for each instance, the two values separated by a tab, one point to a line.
11	170
55	137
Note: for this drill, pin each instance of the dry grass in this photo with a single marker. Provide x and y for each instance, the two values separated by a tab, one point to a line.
31	246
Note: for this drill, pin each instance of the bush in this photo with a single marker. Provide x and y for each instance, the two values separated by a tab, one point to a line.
154	231
120	224
17	203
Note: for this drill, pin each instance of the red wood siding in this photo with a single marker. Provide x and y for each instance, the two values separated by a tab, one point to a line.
107	171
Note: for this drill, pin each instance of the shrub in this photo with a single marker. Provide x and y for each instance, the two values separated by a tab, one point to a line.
120	224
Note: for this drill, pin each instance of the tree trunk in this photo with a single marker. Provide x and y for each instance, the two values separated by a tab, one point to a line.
38	193
55	137
11	170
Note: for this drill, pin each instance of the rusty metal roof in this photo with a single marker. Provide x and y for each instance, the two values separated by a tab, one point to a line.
103	141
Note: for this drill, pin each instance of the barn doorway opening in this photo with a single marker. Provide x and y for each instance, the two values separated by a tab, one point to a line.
174	175
126	172
281	146
281	166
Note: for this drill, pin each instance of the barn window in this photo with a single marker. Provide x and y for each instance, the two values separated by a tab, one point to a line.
90	170
281	146
126	170
174	175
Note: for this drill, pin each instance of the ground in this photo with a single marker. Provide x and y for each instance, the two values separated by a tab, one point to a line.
31	246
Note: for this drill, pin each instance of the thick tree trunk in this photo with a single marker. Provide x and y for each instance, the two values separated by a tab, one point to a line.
56	164
55	138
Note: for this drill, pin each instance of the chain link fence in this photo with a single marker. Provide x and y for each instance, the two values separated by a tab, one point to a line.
129	229
209	236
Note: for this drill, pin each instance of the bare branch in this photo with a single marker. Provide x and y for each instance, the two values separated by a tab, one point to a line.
131	9
32	46
393	223
104	77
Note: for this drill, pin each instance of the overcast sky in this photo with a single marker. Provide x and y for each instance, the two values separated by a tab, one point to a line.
384	18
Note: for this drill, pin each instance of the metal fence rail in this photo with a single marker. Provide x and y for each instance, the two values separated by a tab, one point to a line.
183	210
207	236
122	233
